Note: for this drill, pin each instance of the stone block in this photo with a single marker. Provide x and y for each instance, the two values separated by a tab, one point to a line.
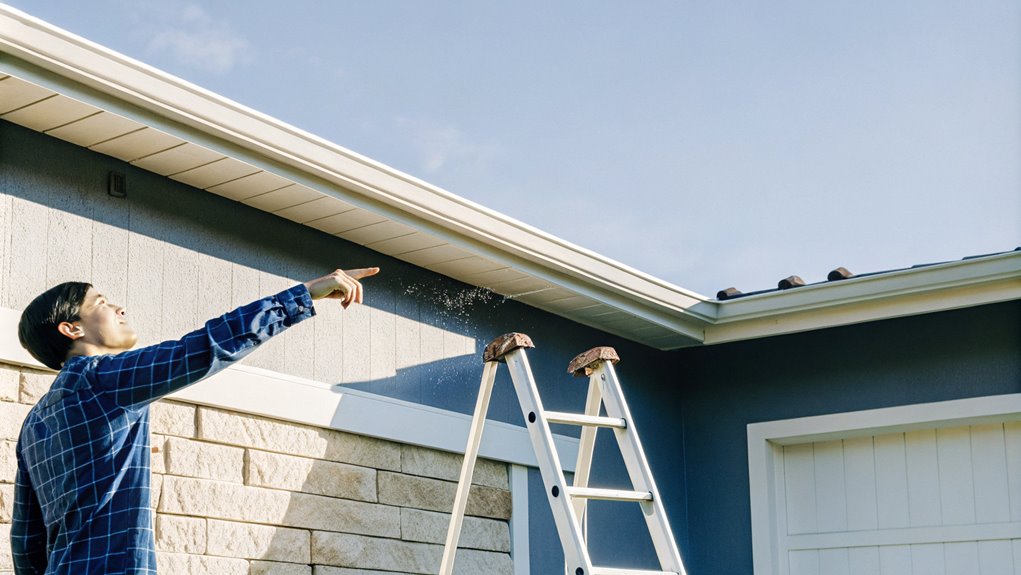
222	500
274	568
155	488
180	534
346	550
436	495
442	465
472	562
9	384
476	532
172	418
6	561
315	476
185	564
249	541
294	439
157	457
8	461
33	385
6	503
207	460
12	415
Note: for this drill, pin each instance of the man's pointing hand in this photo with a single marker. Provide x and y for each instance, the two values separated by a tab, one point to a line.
341	284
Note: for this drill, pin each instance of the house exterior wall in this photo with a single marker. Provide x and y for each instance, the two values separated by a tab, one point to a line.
721	389
177	256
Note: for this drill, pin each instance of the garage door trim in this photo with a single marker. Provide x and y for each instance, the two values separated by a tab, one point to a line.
766	441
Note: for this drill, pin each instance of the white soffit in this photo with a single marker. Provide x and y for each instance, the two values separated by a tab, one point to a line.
62	85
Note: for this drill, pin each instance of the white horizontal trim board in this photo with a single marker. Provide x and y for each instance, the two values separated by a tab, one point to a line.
918	451
271	394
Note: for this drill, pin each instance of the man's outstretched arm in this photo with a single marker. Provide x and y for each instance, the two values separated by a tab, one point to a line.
141	376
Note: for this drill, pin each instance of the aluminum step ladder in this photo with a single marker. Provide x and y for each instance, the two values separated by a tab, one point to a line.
569	502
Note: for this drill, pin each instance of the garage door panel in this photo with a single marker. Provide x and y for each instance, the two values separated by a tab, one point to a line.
927	559
835	562
830	495
957	488
989	460
863	560
860	481
895	560
925	501
961	558
799	477
995	558
804	563
1012	440
891	481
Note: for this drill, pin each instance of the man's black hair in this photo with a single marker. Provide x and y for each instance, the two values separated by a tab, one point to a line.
37	329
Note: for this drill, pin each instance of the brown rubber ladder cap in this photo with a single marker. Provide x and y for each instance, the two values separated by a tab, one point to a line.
505	344
584	363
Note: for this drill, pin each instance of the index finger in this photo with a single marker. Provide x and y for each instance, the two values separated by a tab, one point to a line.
361	273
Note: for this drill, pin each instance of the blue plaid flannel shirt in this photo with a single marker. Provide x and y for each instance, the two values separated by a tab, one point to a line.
81	502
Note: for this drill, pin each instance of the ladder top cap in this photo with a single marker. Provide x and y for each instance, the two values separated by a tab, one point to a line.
584	363
505	344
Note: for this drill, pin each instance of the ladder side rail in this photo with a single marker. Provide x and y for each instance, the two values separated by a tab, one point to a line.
471	452
586	446
638	469
568	528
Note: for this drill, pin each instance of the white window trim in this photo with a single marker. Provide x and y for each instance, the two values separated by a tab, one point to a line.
766	441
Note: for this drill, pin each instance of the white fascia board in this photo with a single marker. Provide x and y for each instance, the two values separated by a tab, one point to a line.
231	128
939	287
267	393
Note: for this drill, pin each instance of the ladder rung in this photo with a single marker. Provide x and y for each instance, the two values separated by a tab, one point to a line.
579	419
609	494
618	571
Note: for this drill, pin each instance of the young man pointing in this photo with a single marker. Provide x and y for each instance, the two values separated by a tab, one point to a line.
81	502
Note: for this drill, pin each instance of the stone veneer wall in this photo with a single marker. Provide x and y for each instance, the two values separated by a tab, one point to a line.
242	494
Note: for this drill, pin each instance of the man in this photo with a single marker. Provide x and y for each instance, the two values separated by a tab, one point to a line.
82	503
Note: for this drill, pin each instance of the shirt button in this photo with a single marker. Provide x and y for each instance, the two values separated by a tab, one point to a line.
301	309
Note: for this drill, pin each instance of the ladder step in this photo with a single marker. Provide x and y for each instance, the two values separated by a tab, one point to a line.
618	571
609	494
590	420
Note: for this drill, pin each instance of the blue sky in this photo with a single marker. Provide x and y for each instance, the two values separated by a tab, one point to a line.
711	144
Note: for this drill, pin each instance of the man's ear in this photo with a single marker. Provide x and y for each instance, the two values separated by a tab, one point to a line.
70	330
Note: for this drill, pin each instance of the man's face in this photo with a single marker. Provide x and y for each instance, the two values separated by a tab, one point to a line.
105	324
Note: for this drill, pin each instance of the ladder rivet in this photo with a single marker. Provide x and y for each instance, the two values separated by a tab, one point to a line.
555	491
531	417
602	377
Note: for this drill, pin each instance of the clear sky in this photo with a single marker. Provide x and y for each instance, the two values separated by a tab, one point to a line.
711	144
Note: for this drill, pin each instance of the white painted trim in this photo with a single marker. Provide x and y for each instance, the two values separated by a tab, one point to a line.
766	441
519	520
70	64
271	394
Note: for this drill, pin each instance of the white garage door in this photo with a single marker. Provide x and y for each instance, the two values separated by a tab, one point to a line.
936	501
